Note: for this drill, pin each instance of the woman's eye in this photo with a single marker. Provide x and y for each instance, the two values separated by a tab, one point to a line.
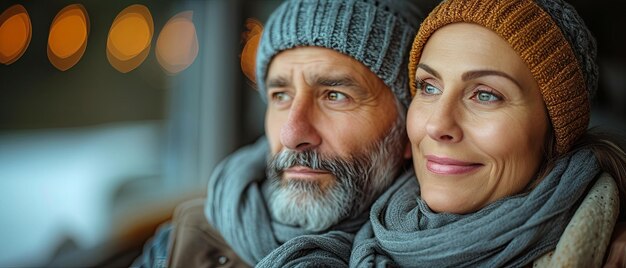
427	88
336	96
486	96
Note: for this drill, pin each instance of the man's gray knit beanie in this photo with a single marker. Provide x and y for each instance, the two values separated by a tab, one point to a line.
377	33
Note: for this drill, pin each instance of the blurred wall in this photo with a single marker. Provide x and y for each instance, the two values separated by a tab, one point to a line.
88	153
607	23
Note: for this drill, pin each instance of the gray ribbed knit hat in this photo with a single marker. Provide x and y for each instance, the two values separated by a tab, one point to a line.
377	33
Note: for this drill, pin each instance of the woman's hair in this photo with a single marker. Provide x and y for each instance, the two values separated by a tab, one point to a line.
609	150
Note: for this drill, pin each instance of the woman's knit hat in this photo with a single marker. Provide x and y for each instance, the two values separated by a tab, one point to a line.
377	33
549	36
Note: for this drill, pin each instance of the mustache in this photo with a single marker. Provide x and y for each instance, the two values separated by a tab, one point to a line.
338	166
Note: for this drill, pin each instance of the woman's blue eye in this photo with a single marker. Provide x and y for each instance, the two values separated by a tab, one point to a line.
428	88
485	96
431	90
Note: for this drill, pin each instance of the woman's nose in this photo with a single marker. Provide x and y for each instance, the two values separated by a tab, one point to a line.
442	124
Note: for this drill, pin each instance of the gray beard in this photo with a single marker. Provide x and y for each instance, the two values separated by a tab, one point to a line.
359	180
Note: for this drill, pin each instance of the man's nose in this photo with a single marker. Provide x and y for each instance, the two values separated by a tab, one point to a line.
299	132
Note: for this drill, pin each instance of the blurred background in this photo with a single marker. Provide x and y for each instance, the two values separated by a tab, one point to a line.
104	131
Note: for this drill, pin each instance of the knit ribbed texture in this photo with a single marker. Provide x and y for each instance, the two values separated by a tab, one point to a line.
542	45
375	33
584	242
579	37
510	232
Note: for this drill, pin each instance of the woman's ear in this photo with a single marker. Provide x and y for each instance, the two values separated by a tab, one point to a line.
407	151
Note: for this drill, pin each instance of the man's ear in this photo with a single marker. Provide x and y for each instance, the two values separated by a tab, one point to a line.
407	151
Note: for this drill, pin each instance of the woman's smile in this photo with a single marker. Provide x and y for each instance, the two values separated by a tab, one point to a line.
449	166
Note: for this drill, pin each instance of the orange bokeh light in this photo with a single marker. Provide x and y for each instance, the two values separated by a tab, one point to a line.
67	40
130	36
248	55
177	44
15	33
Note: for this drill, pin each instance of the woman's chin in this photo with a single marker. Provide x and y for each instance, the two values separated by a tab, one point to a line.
448	203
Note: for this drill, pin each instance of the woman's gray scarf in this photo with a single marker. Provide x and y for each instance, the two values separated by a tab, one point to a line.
511	232
236	206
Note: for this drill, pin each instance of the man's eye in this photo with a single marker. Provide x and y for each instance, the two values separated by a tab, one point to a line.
336	96
280	97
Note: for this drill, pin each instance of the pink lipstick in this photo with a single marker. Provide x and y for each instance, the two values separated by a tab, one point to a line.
449	166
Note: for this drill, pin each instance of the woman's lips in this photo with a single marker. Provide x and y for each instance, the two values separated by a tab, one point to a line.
449	166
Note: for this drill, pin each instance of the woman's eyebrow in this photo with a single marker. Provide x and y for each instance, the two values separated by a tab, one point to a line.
472	74
480	73
429	70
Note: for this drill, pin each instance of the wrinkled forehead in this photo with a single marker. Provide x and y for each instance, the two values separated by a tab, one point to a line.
319	64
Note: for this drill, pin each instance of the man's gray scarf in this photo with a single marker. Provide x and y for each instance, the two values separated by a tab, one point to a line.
236	206
511	232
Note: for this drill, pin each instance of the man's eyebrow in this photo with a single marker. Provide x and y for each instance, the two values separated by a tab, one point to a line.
341	81
278	81
479	73
344	81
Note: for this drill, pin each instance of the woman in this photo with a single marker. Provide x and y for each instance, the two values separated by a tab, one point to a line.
501	151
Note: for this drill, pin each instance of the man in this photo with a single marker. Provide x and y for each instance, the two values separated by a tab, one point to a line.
333	74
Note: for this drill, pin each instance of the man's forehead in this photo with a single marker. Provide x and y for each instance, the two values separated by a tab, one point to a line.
317	63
